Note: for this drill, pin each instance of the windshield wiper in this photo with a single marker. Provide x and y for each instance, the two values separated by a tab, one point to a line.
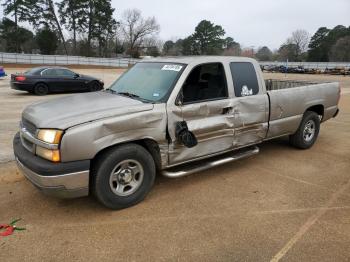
131	95
110	90
128	94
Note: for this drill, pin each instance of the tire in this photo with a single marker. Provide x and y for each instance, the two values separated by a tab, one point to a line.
307	132
122	176
95	86
41	89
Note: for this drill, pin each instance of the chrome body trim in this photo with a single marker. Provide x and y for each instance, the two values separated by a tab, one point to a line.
184	171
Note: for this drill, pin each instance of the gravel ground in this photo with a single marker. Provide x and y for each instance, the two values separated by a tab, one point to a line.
283	204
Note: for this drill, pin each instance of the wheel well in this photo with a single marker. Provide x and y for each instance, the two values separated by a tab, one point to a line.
42	83
318	109
150	145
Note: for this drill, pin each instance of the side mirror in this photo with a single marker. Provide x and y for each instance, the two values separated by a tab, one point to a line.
76	76
179	99
185	136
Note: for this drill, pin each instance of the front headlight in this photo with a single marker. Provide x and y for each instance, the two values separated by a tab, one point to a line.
51	136
52	155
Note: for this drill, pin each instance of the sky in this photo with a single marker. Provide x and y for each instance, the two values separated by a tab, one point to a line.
252	23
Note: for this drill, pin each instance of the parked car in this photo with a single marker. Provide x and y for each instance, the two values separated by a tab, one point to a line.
2	72
44	80
176	116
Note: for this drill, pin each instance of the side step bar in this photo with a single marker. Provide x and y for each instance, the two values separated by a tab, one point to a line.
190	168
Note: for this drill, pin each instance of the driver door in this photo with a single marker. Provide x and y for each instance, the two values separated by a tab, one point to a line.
205	105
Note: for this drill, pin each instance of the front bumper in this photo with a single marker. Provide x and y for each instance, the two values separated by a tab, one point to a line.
336	112
64	180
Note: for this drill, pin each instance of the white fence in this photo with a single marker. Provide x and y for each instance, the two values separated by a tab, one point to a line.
14	58
125	62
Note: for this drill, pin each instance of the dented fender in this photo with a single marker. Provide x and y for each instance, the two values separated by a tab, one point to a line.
86	140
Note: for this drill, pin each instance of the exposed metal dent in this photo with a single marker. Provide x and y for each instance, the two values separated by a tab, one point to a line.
188	169
86	140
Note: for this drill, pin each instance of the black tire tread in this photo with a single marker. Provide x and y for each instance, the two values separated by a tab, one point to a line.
38	94
297	139
113	155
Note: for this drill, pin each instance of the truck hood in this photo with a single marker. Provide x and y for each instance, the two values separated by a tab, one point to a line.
65	112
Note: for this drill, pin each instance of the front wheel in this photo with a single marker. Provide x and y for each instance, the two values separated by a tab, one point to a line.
307	132
95	86
123	176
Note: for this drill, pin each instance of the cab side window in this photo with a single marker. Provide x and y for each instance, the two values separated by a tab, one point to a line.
205	82
64	72
49	72
244	78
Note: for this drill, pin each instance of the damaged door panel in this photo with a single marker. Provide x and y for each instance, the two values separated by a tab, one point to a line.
250	119
210	122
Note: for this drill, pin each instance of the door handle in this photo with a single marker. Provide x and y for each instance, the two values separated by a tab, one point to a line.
227	110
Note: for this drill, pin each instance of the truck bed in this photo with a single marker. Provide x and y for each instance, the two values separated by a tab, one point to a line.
273	84
288	101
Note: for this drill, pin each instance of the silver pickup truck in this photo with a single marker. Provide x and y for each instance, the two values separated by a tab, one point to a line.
174	116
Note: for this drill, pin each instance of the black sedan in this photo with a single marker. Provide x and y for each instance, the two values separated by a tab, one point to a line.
44	80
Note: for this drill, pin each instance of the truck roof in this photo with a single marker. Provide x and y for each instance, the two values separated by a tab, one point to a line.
199	59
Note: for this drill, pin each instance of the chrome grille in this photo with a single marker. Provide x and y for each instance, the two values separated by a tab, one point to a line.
27	127
31	128
27	144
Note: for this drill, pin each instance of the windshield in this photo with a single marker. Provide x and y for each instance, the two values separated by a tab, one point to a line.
148	81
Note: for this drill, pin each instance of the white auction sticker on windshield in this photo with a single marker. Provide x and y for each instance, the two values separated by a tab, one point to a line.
176	68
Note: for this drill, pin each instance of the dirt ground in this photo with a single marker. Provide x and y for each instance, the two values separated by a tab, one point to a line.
283	204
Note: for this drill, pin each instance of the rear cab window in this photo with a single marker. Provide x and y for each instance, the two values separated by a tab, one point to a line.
245	81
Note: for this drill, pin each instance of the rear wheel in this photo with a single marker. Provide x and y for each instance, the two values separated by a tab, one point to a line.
307	132
41	89
123	176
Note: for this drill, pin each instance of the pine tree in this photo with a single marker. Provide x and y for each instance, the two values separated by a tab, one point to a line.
71	13
20	10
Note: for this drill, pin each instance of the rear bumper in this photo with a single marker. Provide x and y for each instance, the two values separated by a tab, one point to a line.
21	86
64	180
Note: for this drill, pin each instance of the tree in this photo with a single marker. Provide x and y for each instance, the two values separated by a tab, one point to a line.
168	47
172	48
299	42
19	9
104	26
264	54
288	51
340	51
135	28
317	50
71	13
208	38
43	15
47	41
16	39
301	39
323	40
189	46
231	47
